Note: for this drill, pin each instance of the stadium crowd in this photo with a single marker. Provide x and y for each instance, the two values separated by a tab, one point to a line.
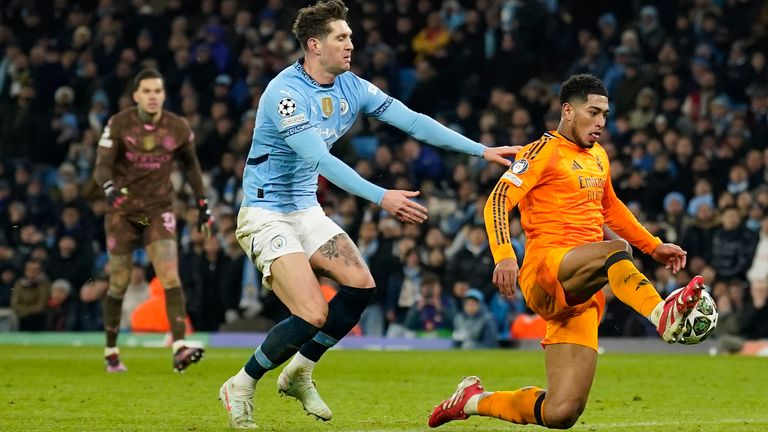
687	136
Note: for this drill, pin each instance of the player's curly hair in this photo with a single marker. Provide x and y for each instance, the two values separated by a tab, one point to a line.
578	87
312	21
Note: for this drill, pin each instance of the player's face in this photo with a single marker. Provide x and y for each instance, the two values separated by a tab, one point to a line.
336	48
587	119
150	95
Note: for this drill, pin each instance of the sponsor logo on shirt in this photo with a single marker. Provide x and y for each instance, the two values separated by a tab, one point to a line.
517	181
293	120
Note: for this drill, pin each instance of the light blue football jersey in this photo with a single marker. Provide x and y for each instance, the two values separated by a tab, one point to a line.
297	122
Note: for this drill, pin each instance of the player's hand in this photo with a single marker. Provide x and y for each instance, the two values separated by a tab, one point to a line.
399	203
204	216
671	255
500	154
505	277
115	197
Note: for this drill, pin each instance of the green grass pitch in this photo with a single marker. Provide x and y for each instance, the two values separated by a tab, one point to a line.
66	389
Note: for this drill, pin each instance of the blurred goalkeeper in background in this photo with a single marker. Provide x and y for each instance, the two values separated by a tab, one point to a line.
281	226
561	184
134	163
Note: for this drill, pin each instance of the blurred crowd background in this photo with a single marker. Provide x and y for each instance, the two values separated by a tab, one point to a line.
687	136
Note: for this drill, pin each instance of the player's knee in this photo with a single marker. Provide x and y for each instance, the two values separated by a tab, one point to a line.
315	316
621	245
169	278
564	415
360	280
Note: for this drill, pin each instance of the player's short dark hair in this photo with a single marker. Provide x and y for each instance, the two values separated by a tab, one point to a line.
578	87
146	74
312	21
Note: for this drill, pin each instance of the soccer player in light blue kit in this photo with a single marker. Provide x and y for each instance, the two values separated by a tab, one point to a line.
281	226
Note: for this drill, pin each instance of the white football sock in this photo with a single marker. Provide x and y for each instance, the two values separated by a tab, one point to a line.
471	406
108	351
178	344
299	362
655	315
244	384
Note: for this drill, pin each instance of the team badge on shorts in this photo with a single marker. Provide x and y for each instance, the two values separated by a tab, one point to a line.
519	167
286	107
278	242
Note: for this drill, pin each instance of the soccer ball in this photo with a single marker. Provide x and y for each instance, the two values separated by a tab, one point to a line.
700	322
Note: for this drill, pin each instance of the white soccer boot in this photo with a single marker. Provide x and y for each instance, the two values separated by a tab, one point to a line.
239	409
299	384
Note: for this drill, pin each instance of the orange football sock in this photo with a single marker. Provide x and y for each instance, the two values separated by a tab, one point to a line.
629	285
522	406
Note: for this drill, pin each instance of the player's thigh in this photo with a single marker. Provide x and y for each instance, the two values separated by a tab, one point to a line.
332	252
123	235
266	236
582	269
296	286
164	256
570	372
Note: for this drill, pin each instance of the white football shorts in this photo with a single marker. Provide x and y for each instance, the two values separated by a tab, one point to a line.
266	235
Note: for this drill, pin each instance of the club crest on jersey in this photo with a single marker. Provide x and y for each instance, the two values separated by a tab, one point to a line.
286	107
519	167
326	104
599	163
148	142
343	106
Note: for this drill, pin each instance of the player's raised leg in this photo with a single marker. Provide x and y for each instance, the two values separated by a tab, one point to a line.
295	284
339	259
587	268
119	277
164	256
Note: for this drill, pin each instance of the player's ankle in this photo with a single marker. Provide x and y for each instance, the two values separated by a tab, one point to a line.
655	315
470	408
178	344
300	363
108	351
243	384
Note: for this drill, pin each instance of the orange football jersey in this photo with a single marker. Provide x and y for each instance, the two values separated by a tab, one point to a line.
565	195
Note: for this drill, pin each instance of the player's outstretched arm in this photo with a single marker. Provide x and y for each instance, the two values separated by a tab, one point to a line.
432	132
312	148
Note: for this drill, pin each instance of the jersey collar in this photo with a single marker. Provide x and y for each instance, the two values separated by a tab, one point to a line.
299	66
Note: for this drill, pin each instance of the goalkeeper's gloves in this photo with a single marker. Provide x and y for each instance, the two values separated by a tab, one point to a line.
204	216
115	197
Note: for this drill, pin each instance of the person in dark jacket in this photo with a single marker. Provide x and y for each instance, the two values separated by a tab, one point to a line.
474	327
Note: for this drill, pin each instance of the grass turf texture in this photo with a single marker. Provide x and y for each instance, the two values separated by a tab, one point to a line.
66	389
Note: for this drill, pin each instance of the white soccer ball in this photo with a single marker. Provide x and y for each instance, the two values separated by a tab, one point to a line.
700	322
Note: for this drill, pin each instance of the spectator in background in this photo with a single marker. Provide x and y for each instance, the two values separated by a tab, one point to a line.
30	297
60	309
473	326
434	310
754	319
733	246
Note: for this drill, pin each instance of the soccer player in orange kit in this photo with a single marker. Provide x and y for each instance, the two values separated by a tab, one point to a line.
562	186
